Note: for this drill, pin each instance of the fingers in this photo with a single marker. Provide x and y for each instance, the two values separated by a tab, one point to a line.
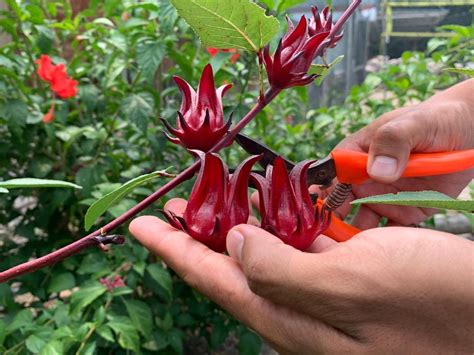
176	205
322	244
366	218
215	275
284	275
391	145
220	278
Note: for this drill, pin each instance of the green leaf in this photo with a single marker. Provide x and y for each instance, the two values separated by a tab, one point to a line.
161	277
63	281
104	21
3	332
35	343
424	199
249	343
54	347
138	109
229	24
128	337
323	70
141	316
85	296
288	4
99	207
463	71
3	190
35	183
149	57
21	319
105	332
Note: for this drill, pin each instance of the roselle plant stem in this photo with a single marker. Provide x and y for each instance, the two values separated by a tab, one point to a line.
94	239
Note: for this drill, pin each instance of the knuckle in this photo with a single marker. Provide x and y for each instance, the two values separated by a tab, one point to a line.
255	272
390	134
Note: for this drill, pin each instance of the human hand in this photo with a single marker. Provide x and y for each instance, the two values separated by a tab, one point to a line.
391	290
442	123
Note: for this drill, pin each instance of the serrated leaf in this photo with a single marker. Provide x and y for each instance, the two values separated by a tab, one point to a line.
229	24
149	57
138	109
423	199
288	4
85	296
21	319
106	333
63	281
161	277
35	343
323	70
463	71
3	190
35	183
141	316
99	207
54	347
128	337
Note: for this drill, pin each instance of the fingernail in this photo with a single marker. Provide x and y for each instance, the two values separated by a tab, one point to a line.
235	244
384	166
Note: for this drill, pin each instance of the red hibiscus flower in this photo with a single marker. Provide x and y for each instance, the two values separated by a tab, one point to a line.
56	75
234	57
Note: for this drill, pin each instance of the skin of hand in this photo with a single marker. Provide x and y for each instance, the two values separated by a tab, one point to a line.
445	122
384	291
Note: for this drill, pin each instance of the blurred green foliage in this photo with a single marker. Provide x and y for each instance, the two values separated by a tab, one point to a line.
124	54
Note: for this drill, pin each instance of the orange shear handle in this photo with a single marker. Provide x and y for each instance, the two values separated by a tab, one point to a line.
351	166
339	230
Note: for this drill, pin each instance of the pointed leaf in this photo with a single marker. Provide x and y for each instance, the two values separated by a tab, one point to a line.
149	57
462	71
85	296
323	70
162	277
34	183
424	199
141	316
99	207
228	24
287	4
3	191
138	108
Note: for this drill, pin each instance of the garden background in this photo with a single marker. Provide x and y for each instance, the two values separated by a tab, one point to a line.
124	54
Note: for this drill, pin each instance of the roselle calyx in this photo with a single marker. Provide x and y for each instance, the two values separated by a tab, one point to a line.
286	207
217	202
322	22
200	122
297	50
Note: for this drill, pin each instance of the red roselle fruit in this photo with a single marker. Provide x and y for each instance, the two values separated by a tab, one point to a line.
286	208
200	122
297	50
322	22
217	202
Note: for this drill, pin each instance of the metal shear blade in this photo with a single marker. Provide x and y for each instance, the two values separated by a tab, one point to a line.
321	172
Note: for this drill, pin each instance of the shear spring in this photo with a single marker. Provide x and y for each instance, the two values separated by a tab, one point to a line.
337	197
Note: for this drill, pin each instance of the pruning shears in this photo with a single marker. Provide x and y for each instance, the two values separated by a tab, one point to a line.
350	167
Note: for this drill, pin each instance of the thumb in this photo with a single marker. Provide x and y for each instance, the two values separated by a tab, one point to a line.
390	148
265	259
